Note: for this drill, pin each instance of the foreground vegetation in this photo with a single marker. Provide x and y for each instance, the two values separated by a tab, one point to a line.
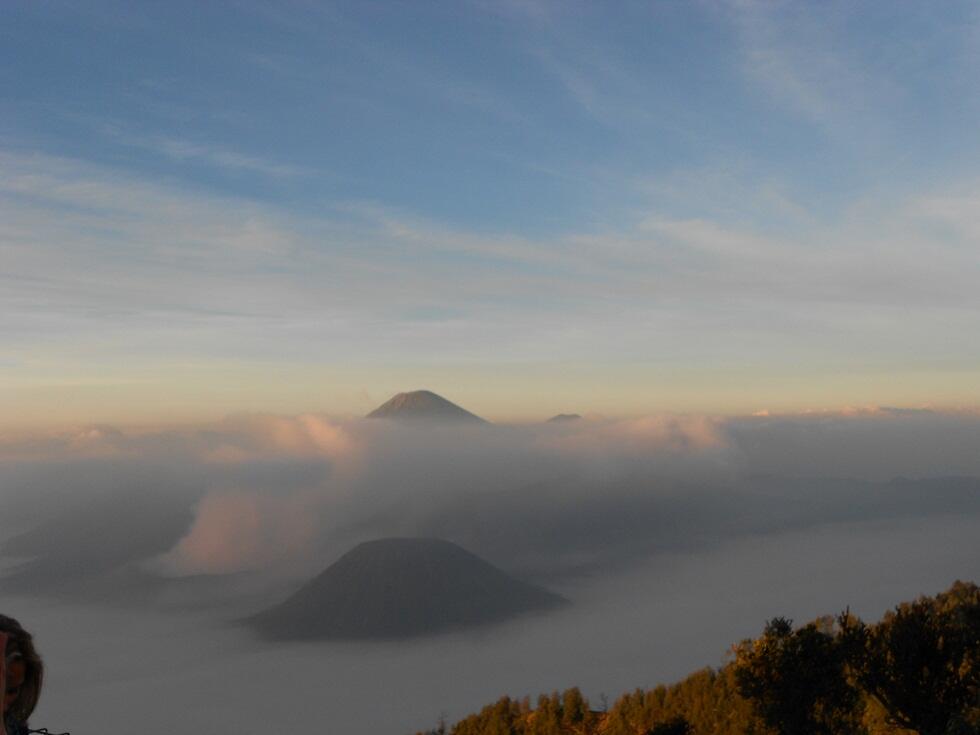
915	671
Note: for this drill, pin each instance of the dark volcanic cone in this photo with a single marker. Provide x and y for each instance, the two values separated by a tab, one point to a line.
423	405
398	588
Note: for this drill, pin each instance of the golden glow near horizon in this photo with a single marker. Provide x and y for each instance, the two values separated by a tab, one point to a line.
716	234
190	392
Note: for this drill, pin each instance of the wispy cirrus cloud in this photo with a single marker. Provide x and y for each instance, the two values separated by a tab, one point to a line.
97	258
183	150
801	57
187	151
110	224
863	78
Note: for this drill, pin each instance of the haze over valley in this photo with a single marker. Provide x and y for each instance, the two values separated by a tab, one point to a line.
670	536
362	363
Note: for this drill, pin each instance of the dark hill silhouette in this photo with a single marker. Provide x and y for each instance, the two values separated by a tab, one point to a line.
399	588
423	405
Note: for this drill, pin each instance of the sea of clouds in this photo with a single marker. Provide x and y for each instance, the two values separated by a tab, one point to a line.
672	535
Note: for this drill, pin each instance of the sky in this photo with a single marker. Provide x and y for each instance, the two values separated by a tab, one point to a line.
528	207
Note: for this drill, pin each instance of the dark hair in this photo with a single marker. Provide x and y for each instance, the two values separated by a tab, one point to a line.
20	643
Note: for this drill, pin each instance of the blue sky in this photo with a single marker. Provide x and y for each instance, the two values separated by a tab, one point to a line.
531	206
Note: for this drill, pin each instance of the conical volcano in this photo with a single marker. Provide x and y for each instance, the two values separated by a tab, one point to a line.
423	405
399	588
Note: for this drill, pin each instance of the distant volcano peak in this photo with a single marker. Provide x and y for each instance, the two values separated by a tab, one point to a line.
425	405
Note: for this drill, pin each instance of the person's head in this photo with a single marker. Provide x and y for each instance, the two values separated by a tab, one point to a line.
25	671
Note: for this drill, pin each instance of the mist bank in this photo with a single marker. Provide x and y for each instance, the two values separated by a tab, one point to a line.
672	536
652	623
242	511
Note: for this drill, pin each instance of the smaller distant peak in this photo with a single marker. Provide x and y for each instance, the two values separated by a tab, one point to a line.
564	418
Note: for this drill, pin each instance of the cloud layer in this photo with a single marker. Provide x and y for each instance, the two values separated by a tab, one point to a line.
283	496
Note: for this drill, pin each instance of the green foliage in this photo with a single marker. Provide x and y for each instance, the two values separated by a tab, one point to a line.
505	717
797	680
916	672
708	701
922	661
567	713
675	726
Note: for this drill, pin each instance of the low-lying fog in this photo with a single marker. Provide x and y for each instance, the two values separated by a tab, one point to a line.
129	554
